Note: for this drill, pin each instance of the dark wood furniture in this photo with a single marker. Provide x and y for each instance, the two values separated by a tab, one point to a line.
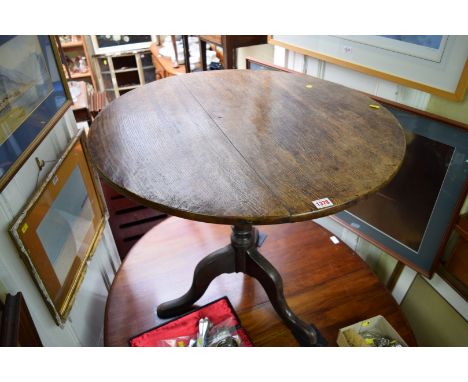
16	325
246	148
229	43
325	283
454	266
128	220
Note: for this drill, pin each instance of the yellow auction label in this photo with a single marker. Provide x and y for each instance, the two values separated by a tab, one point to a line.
24	228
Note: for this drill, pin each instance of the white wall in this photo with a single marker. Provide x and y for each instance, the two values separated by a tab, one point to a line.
85	324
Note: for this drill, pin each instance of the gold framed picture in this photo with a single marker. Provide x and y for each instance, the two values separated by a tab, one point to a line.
59	228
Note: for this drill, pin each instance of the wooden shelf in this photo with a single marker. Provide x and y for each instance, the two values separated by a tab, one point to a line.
71	50
124	70
128	87
73	44
80	75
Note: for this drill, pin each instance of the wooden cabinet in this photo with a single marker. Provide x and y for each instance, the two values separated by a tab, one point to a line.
128	220
75	58
78	72
124	71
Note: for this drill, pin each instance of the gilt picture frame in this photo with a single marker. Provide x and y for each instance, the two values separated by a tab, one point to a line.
57	232
34	95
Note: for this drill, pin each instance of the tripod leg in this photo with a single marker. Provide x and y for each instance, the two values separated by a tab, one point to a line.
260	268
213	265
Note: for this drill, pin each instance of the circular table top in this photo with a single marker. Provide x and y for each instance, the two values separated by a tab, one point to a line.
237	146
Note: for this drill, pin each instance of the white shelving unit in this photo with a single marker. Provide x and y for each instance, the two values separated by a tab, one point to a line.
124	71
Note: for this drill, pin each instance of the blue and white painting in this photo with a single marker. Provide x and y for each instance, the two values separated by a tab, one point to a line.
25	82
428	41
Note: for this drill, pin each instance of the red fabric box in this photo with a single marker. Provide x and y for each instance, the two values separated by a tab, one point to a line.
187	325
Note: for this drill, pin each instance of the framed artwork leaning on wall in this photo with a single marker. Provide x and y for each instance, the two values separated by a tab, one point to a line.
58	230
33	97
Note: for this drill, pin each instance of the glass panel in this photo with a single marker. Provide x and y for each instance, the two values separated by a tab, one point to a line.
31	94
427	41
104	64
146	59
64	227
110	95
402	209
25	82
150	75
107	80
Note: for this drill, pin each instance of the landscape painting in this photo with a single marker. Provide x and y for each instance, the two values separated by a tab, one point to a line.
25	81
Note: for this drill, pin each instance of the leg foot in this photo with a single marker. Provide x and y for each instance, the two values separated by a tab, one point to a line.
213	265
242	256
260	268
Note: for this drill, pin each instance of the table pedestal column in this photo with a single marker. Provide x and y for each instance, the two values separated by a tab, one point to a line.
241	255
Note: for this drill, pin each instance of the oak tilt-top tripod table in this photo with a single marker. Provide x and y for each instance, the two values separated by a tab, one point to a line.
246	148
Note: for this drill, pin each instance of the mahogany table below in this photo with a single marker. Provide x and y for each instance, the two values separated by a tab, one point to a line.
324	283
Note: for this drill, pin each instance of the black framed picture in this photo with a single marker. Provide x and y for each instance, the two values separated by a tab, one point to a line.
33	96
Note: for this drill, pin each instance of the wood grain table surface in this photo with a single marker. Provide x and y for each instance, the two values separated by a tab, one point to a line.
237	146
244	148
325	283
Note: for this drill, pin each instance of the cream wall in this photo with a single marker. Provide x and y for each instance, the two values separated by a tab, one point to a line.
450	109
434	321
